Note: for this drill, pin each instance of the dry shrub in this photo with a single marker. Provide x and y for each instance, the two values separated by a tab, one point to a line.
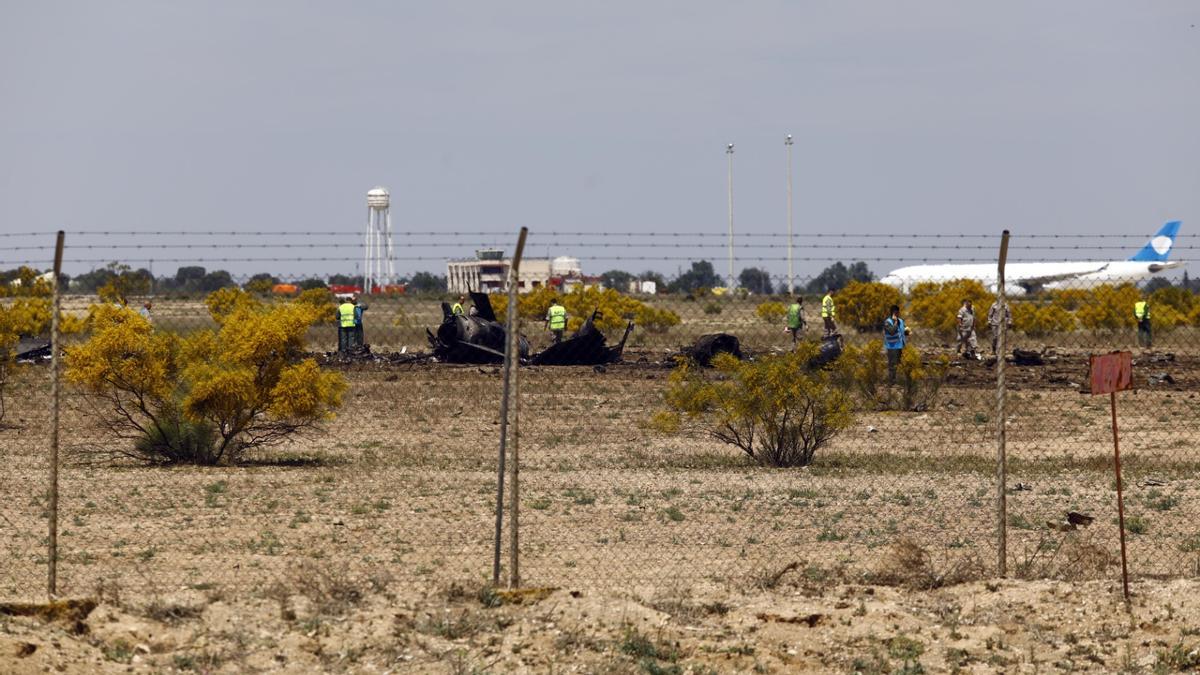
330	592
909	564
1070	556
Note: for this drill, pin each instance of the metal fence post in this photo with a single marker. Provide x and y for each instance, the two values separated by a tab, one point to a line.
1001	439
511	345
514	525
55	395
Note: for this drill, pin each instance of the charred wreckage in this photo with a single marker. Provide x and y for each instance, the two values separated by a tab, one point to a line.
479	338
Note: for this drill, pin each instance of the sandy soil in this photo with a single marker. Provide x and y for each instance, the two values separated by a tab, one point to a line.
365	548
797	625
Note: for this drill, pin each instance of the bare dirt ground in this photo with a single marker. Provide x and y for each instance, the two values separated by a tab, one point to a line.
981	626
368	548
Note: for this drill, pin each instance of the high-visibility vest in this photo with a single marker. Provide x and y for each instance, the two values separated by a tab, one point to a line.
346	315
793	316
827	309
456	309
557	316
1141	310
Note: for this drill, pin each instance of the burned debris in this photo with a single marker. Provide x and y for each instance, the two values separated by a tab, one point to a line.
708	346
472	338
587	347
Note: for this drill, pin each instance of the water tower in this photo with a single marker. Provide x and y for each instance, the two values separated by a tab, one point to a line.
378	261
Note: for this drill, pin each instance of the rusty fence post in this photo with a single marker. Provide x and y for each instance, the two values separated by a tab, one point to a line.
1001	423
55	396
511	351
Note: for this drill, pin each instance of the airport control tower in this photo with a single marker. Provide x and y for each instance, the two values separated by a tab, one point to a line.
379	259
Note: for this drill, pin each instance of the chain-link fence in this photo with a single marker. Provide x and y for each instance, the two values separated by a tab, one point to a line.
401	483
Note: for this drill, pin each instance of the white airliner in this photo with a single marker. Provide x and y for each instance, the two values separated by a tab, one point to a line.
1022	278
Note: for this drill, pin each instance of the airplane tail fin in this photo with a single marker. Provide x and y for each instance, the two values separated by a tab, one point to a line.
1159	247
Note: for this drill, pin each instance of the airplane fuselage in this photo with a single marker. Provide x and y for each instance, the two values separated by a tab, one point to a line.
1025	277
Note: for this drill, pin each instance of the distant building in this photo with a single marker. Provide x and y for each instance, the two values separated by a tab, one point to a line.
488	272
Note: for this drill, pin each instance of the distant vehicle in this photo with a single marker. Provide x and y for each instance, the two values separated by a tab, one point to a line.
1022	278
285	289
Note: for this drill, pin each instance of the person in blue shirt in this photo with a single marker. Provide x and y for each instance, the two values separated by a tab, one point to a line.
895	335
359	308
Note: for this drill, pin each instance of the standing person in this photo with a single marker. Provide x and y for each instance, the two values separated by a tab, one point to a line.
829	312
996	313
967	343
145	312
357	342
895	336
345	313
1141	312
556	320
457	308
795	319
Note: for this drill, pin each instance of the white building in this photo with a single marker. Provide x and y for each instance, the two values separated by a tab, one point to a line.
488	272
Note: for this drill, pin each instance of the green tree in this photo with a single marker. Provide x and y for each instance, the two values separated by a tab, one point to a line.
701	275
616	280
756	280
261	283
427	282
309	284
837	276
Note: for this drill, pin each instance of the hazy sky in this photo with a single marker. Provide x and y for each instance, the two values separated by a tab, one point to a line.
916	117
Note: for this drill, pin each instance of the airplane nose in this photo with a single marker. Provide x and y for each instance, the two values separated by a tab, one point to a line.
891	280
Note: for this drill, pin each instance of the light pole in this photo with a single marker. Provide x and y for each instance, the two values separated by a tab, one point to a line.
788	142
729	153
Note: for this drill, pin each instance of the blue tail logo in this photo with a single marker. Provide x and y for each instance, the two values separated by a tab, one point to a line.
1159	247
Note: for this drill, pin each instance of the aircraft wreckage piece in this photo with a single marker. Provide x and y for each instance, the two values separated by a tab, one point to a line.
708	346
32	351
472	339
586	347
828	352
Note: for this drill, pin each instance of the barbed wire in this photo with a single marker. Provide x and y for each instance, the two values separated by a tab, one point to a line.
535	243
556	233
646	258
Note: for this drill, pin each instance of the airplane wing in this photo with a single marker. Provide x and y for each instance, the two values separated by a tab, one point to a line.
1035	282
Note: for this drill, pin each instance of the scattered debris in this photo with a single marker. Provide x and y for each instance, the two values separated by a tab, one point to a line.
1160	378
1152	482
1024	357
1076	518
708	346
1021	487
587	347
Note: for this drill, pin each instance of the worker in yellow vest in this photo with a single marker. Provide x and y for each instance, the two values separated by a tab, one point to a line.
556	320
828	312
795	319
346	323
1141	312
457	308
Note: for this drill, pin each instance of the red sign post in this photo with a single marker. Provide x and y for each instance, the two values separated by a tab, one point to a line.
1108	374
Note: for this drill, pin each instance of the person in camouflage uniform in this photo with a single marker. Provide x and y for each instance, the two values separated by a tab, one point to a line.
968	346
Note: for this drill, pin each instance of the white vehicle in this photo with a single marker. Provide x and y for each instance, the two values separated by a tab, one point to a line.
1021	278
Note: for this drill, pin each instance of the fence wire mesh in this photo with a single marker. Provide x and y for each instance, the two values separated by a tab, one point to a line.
401	484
